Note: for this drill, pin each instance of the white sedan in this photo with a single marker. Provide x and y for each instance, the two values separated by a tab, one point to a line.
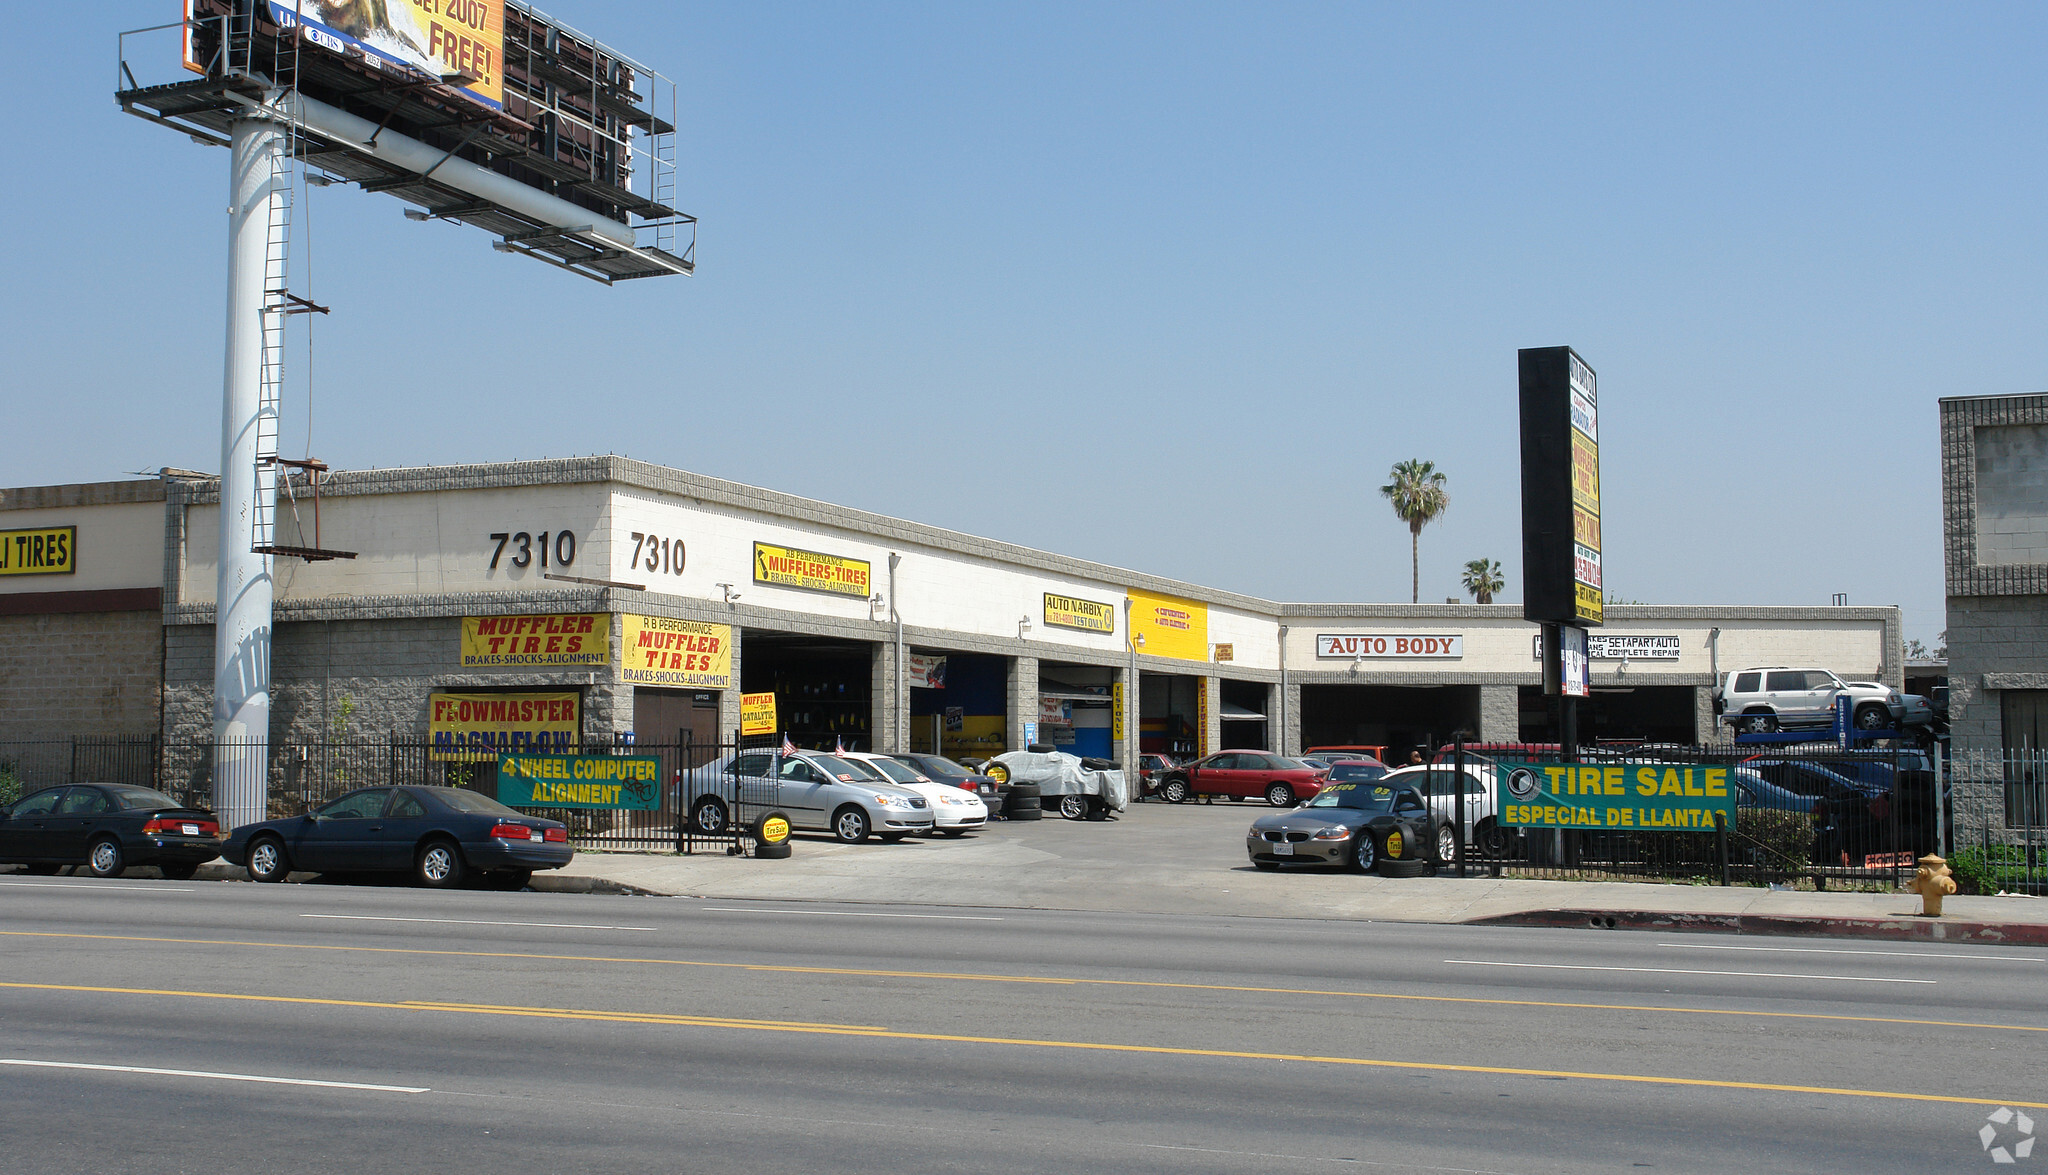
955	811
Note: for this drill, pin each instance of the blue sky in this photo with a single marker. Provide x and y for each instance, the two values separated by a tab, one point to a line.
1165	286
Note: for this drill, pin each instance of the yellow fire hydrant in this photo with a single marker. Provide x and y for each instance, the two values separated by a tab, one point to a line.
1932	882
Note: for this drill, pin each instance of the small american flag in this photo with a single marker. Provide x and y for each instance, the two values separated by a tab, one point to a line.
788	748
838	746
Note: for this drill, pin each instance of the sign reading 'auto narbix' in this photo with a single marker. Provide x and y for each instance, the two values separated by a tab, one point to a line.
580	781
1664	797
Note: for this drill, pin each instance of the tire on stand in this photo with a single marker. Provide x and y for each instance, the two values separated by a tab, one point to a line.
1408	867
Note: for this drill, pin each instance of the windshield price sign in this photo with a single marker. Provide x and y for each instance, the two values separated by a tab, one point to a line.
1666	797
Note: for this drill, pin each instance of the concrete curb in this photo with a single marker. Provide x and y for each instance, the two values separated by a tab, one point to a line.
1904	928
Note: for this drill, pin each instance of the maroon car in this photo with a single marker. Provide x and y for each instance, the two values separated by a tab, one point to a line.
1243	775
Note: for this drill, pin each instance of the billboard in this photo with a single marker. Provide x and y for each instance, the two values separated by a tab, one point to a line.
811	571
549	639
436	37
1172	627
655	650
1562	582
483	726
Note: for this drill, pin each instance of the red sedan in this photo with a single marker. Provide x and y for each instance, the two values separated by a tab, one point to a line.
1243	775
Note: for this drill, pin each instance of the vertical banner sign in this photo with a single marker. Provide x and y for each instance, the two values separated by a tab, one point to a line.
655	650
1576	669
757	713
1116	715
1201	717
1561	569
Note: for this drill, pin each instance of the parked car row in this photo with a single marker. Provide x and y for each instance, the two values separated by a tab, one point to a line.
441	835
850	794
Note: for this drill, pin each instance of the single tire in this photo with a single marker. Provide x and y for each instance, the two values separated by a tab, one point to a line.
1411	867
1872	716
509	879
105	858
1174	791
1446	844
1491	837
439	865
1757	722
183	871
1074	807
850	825
1267	866
267	860
998	772
1364	853
708	817
1280	795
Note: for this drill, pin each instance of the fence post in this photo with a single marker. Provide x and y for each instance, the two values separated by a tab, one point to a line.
1721	843
1458	786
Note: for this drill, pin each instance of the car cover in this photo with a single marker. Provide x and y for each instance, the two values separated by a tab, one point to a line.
1059	774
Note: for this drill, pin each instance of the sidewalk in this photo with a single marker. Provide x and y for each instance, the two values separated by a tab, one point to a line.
1160	859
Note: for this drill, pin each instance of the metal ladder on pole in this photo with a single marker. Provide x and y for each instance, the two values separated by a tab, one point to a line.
278	303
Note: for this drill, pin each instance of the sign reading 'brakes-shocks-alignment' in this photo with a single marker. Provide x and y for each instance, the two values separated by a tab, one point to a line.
1664	797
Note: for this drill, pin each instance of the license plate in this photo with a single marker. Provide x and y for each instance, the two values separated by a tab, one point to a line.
189	829
1283	849
535	835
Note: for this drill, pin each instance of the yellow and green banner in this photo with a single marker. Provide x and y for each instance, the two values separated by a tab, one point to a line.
1660	797
580	781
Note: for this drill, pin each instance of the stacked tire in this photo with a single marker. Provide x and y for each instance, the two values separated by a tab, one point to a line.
1025	803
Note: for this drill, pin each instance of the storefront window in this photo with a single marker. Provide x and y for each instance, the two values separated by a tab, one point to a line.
2025	723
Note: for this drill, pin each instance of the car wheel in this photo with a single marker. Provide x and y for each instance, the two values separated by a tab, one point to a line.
1280	796
1872	716
1758	722
1410	867
510	879
850	825
1491	838
1267	866
1074	807
1446	844
105	858
267	860
1364	853
180	872
439	865
709	817
1174	791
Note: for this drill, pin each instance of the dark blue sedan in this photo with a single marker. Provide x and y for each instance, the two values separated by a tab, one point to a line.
441	835
107	827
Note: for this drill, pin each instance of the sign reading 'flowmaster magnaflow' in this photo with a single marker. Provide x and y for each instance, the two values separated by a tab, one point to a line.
580	781
791	567
1659	796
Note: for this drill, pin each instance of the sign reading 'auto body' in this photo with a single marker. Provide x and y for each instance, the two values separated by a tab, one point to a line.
1419	647
1662	797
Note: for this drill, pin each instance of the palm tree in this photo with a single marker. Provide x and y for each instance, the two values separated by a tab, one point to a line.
1417	492
1482	579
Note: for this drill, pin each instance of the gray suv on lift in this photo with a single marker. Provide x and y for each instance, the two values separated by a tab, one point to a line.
1774	697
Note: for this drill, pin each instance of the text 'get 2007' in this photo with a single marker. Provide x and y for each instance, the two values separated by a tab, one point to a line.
526	547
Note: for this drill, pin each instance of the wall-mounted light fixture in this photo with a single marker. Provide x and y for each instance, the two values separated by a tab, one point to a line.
731	596
875	606
1023	626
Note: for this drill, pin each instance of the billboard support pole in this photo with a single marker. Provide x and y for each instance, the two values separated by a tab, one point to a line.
243	589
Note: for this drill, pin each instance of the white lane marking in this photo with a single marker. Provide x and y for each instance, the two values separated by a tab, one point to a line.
1205	1150
1937	955
472	922
1677	971
216	1076
97	885
852	914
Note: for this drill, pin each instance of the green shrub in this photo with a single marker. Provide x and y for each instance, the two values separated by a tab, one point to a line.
1778	840
1989	869
10	784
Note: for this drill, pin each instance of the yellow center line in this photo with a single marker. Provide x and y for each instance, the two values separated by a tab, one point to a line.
1022	1042
871	973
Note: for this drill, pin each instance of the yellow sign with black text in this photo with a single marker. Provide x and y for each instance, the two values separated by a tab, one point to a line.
655	650
1087	615
41	550
1172	627
1657	796
548	639
757	713
811	571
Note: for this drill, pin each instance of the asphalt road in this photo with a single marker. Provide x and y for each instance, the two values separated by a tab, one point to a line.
160	1027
